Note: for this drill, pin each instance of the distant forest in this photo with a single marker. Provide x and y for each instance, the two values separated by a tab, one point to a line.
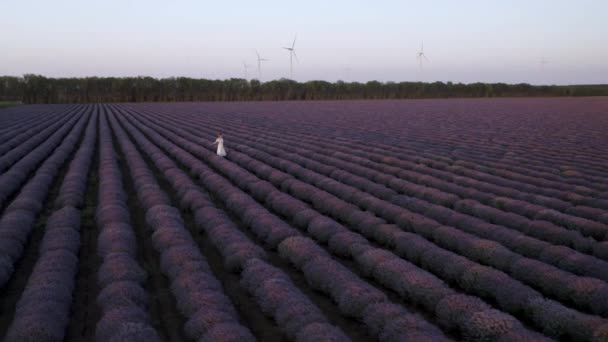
39	89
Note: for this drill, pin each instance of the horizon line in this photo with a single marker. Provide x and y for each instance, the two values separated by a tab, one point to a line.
312	80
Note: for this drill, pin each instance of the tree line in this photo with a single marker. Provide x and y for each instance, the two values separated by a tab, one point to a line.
36	89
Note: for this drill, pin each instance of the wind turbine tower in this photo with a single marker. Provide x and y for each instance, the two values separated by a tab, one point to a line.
292	54
260	60
246	67
421	55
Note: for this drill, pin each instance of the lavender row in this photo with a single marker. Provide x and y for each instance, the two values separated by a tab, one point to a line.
536	212
537	229
566	179
514	219
507	180
526	201
43	310
432	161
513	200
560	256
377	172
21	114
511	180
541	166
554	234
234	246
571	180
470	150
562	219
466	177
489	161
32	140
583	211
384	147
389	273
297	317
12	180
278	120
268	227
19	119
19	217
122	298
15	116
575	262
200	298
504	296
300	319
21	134
73	188
38	121
425	133
498	277
570	286
533	228
469	147
593	174
307	157
351	294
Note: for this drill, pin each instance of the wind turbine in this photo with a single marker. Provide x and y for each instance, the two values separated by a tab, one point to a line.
260	60
292	54
421	54
246	66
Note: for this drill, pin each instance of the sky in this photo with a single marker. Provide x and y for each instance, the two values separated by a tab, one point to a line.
464	41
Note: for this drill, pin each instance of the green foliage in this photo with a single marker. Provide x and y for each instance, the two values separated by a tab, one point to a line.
6	104
39	89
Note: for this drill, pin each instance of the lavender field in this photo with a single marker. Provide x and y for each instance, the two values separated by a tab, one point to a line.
422	220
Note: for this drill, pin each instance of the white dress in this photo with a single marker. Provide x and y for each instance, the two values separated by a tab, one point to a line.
220	147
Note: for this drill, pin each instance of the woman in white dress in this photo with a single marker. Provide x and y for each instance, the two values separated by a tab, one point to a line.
220	145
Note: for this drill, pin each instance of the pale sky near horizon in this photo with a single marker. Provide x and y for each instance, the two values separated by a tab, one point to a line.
465	41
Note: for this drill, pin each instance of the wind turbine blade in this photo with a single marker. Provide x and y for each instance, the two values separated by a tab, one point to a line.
286	48
425	58
256	52
294	42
